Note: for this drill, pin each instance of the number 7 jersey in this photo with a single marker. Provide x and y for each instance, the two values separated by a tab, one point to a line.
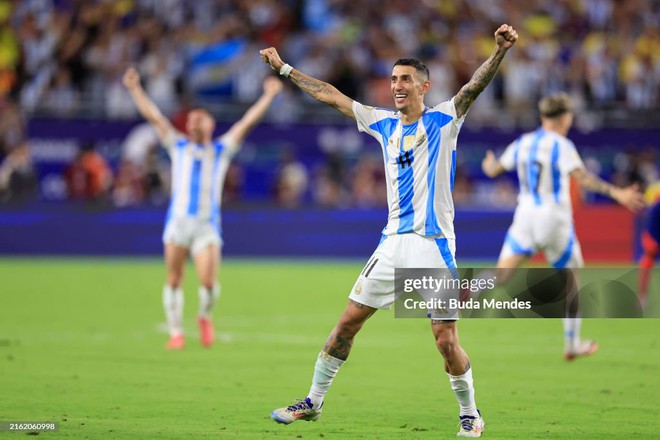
543	160
420	162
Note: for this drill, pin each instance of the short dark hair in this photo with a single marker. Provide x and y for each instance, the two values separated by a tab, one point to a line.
203	110
417	64
555	105
199	108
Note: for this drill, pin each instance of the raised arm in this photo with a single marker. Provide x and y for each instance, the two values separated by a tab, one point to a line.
319	90
239	131
505	38
630	197
145	105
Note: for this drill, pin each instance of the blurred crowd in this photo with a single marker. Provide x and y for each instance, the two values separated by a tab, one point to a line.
66	57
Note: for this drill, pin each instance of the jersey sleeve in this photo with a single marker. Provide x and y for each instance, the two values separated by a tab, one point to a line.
458	122
230	145
449	108
508	158
170	140
569	158
368	117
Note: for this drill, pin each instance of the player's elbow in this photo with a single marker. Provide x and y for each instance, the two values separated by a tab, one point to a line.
581	177
325	98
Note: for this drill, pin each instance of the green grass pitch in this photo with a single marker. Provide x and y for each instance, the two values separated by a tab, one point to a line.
82	343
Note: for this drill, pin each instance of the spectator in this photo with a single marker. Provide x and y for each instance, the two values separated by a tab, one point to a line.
18	179
291	182
606	50
12	126
9	50
89	176
128	189
156	177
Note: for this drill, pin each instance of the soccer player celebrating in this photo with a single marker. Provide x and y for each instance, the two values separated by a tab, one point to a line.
199	165
543	221
419	150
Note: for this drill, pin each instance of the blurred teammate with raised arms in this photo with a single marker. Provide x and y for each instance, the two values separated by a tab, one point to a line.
192	227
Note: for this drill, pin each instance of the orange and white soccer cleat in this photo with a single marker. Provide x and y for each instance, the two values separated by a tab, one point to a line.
586	348
176	342
206	331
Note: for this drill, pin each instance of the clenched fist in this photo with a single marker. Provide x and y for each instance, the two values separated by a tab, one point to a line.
271	57
131	78
506	36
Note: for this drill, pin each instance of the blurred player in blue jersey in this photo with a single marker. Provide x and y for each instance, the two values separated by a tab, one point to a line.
650	240
192	227
419	150
543	222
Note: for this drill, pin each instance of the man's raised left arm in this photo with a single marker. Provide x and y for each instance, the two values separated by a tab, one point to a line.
505	38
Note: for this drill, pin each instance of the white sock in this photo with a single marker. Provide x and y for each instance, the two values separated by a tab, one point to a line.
207	297
325	370
572	333
463	387
173	305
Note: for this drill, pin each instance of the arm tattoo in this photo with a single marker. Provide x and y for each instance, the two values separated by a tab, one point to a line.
315	88
481	78
592	182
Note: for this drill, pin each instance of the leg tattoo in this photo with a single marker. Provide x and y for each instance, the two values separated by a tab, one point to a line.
337	346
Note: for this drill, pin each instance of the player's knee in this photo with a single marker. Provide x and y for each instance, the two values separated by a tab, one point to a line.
446	342
174	280
207	283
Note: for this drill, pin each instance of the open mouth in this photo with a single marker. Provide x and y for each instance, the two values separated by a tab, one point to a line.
400	98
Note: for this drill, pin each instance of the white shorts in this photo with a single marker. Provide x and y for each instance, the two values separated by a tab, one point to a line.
375	285
544	229
192	234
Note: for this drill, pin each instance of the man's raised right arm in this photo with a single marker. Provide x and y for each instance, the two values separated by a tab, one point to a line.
319	90
146	106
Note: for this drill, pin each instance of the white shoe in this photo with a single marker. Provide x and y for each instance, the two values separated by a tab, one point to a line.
471	426
585	348
301	410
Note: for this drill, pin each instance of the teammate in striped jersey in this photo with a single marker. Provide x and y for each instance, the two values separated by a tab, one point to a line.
192	227
418	144
543	222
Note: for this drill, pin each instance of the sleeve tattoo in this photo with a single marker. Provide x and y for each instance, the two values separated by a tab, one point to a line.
313	87
481	78
592	182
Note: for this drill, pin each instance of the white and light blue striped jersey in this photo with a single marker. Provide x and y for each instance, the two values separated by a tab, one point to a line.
420	162
198	174
544	160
